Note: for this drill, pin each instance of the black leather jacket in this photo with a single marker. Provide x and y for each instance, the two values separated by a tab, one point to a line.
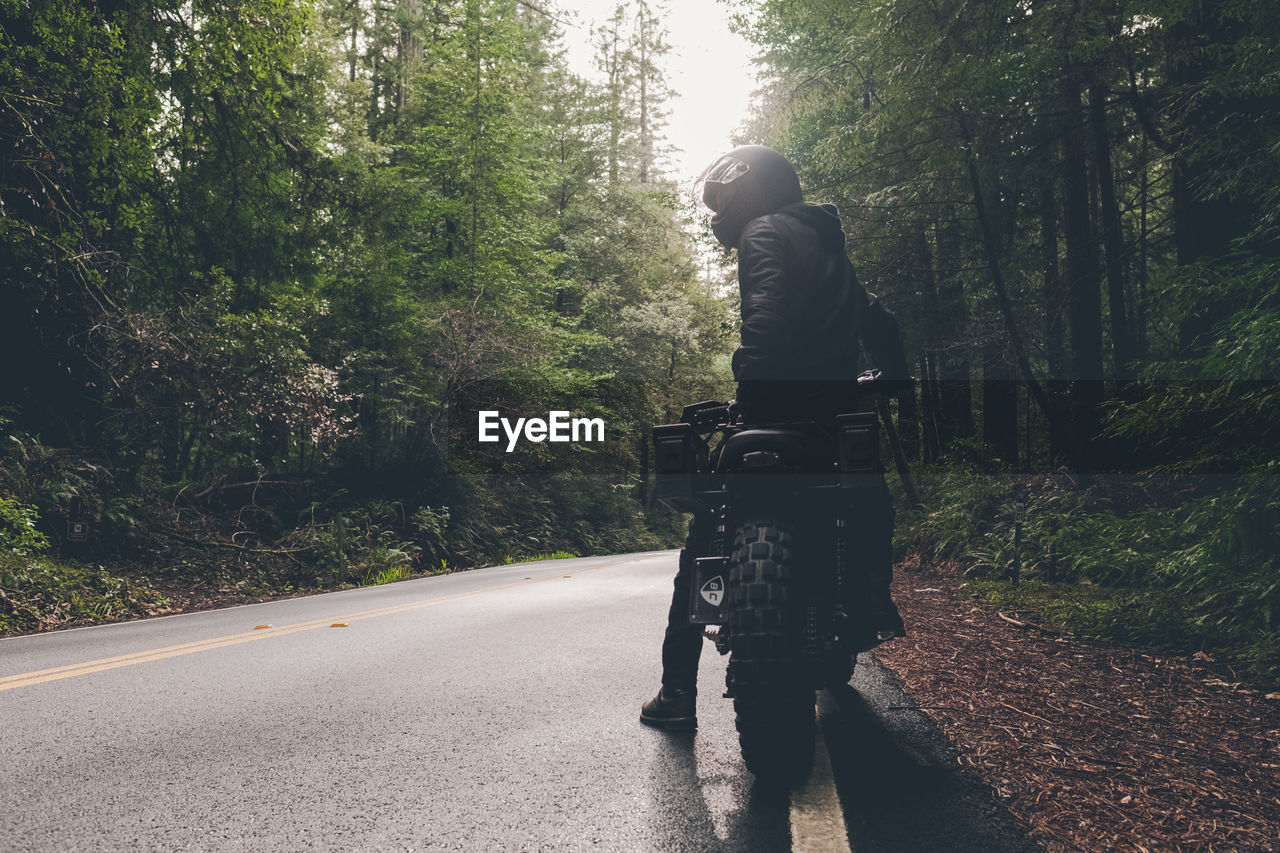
804	316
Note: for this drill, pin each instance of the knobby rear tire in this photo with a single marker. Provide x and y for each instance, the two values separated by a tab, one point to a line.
773	703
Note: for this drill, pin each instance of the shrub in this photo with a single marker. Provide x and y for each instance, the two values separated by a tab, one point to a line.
18	533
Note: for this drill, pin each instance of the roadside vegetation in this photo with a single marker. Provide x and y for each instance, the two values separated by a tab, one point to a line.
1156	561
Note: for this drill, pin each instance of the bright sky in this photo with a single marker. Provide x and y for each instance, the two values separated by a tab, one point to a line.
708	67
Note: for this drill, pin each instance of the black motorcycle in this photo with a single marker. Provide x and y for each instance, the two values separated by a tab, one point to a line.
775	519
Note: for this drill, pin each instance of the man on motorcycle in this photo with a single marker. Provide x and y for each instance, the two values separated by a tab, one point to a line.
804	319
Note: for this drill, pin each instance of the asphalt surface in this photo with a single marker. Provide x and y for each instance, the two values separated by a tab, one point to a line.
487	710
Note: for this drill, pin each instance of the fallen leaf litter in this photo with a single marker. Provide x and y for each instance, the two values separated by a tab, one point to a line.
1093	747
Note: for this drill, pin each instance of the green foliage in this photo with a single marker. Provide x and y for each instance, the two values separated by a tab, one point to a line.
40	592
1214	413
1154	619
50	480
76	106
18	533
1176	562
510	560
948	527
216	389
393	573
430	525
364	545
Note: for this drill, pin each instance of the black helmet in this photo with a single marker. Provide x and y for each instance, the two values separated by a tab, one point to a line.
744	184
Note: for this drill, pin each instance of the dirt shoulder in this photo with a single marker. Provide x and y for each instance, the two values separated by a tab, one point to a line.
1095	747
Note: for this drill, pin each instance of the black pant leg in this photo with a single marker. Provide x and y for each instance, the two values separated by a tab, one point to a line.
682	643
871	554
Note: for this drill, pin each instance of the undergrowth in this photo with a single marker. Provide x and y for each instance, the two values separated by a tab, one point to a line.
39	593
1166	560
253	538
534	558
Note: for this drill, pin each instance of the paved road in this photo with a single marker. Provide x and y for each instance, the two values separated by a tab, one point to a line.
488	710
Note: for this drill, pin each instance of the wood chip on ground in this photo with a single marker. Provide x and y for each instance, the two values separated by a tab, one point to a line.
1094	747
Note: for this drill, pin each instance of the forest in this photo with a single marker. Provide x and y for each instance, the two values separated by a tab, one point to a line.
1072	208
258	252
263	257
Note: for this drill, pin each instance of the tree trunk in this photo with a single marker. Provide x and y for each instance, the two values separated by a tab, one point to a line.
408	48
929	409
1113	243
614	89
909	425
955	409
1000	400
477	161
1084	300
643	485
646	142
1055	306
920	267
353	53
1140	297
991	245
1055	297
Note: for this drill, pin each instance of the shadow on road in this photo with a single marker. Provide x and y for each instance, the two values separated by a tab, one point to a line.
896	774
898	780
726	813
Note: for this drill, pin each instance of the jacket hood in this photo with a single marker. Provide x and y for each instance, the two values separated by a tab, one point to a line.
823	218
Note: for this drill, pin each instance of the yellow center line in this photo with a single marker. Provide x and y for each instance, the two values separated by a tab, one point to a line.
56	673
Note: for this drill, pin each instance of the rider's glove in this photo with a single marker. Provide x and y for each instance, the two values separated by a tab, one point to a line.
876	382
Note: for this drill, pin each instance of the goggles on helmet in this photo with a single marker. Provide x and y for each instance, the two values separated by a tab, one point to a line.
708	189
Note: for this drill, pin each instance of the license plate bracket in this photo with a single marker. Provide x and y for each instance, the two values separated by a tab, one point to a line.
708	591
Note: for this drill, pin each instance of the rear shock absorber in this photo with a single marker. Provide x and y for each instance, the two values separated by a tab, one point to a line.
841	615
719	538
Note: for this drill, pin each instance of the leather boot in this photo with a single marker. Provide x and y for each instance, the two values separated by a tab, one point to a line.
672	709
